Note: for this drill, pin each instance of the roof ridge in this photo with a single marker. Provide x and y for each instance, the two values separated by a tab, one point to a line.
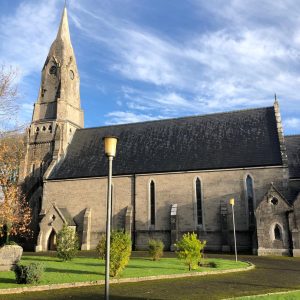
290	135
180	118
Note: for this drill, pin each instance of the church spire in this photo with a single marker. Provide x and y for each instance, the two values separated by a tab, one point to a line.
59	96
63	31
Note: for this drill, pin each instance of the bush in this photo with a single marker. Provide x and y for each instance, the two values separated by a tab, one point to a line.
67	243
156	249
120	250
212	264
101	247
28	274
190	249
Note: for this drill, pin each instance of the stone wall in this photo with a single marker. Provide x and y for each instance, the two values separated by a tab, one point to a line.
179	188
10	255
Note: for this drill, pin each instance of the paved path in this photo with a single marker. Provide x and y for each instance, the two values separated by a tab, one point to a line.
270	275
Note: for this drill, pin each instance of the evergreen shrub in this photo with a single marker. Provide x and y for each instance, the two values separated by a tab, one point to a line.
28	274
67	243
156	249
101	247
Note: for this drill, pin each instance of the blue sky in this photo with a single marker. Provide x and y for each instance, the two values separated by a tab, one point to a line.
150	59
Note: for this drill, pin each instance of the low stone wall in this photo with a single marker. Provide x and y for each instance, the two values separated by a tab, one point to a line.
10	255
271	251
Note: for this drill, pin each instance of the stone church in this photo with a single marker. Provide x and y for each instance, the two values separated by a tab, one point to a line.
169	176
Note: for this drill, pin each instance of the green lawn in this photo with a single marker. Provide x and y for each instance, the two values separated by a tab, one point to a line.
286	296
91	269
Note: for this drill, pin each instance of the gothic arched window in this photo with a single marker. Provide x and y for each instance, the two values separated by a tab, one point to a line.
277	233
250	199
152	202
199	202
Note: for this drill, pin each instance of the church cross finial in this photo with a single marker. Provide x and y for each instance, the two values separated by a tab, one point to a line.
275	99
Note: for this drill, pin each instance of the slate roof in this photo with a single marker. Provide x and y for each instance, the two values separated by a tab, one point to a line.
292	143
245	138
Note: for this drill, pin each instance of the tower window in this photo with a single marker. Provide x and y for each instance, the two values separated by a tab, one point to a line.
277	233
53	70
250	199
37	129
44	128
50	128
274	201
199	202
152	202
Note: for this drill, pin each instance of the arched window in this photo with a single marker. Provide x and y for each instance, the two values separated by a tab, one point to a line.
152	202
277	233
199	202
250	199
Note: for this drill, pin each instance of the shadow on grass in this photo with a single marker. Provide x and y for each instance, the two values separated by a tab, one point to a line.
7	280
99	264
54	270
43	258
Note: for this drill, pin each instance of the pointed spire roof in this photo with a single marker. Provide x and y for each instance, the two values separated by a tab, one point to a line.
275	99
63	31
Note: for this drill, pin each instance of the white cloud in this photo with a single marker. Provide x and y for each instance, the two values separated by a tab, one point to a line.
246	54
292	123
121	117
237	65
27	34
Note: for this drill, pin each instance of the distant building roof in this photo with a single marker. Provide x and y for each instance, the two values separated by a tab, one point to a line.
246	138
292	143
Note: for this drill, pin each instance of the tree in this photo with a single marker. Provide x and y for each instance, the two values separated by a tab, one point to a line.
15	213
8	94
190	249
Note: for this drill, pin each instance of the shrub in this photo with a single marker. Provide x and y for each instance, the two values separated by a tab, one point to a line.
212	264
101	247
190	249
120	251
28	274
67	243
156	249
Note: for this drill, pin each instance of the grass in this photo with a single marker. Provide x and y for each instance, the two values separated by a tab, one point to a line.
284	296
91	269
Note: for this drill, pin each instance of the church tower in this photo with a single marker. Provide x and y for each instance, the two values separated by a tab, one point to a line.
56	116
57	113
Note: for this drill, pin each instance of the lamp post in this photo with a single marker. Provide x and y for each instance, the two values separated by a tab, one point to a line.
231	201
110	144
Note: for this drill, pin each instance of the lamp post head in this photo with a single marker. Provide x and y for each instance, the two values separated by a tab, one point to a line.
231	201
110	145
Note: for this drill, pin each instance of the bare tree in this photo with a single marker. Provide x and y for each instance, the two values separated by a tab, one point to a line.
8	95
